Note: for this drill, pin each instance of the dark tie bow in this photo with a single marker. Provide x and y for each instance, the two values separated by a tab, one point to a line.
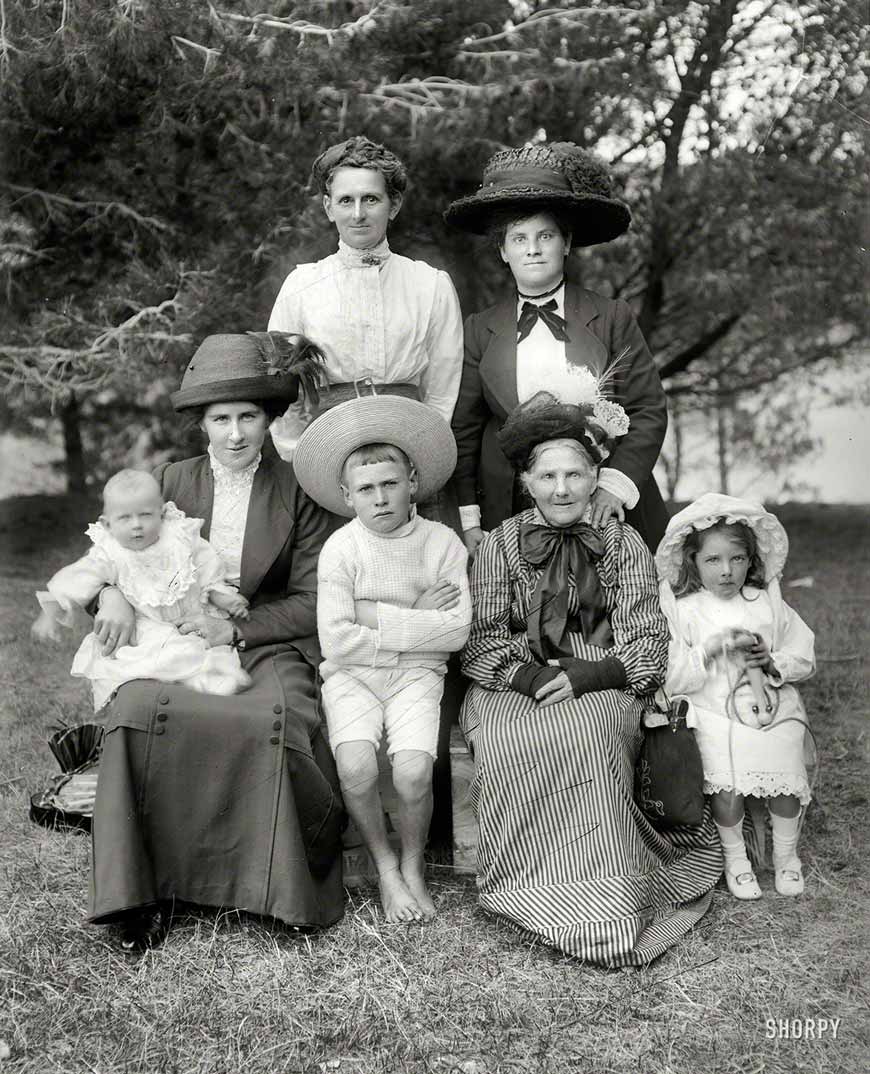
561	552
531	313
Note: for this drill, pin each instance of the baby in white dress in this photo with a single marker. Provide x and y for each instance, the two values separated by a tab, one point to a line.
719	564
155	555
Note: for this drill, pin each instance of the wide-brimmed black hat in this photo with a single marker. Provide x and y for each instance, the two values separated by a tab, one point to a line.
561	178
250	368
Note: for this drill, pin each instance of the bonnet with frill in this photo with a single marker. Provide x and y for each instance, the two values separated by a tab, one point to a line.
709	509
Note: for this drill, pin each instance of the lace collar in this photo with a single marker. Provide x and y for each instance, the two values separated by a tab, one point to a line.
225	478
374	256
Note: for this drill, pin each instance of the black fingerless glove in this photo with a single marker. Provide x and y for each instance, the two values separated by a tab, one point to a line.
587	676
529	678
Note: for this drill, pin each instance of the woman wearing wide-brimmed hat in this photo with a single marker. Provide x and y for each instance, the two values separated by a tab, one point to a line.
228	801
385	322
538	203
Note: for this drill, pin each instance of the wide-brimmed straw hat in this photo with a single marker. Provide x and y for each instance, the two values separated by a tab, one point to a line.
710	508
250	368
561	178
417	429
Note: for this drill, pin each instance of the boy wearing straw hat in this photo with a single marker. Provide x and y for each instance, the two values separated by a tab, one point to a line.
392	603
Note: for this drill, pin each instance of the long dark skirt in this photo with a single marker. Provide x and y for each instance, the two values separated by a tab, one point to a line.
564	854
220	801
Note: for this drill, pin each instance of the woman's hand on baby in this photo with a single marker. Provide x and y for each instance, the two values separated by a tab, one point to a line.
115	621
606	506
212	631
554	691
233	603
440	597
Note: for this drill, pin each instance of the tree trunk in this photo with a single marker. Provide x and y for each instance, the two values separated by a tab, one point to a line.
701	66
72	443
677	467
722	408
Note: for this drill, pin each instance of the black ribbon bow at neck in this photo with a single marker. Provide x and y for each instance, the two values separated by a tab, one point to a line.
546	311
562	551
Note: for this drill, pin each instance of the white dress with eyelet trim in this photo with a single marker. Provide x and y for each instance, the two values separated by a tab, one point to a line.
762	762
166	583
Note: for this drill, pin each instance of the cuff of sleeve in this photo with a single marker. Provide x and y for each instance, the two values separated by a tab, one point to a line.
618	484
522	678
529	678
587	676
469	517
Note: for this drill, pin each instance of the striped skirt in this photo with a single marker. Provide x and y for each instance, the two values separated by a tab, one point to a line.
564	854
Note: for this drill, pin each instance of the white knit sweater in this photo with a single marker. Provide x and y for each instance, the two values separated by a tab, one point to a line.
356	564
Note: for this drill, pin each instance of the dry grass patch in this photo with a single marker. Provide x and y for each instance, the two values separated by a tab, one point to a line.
229	994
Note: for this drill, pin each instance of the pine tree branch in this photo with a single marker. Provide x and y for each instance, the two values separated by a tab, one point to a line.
303	27
560	15
104	208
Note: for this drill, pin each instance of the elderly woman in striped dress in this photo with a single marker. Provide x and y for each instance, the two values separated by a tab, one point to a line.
566	641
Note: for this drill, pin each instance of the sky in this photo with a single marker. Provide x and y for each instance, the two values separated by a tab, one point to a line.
838	473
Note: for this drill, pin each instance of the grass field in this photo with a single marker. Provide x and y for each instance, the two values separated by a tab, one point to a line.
459	996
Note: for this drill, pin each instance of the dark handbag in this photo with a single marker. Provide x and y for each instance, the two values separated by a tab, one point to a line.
669	775
68	801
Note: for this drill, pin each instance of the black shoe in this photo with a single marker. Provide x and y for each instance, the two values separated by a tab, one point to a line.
144	932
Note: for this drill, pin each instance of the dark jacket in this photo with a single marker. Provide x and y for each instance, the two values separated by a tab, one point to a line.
230	801
599	330
284	533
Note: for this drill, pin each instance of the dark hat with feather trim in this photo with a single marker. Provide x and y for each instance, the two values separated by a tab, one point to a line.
560	177
250	368
594	423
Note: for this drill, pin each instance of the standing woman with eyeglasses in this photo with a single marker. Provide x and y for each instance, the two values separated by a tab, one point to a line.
536	203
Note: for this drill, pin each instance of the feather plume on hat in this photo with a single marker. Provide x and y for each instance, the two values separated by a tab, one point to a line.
291	354
253	366
574	407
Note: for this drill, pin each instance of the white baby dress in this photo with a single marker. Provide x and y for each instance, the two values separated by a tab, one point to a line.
166	583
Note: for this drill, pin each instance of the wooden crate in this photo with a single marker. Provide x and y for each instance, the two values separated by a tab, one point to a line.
464	820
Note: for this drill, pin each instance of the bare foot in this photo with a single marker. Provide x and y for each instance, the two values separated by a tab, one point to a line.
399	904
416	883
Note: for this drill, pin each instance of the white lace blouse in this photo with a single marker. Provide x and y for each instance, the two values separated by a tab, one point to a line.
376	314
232	498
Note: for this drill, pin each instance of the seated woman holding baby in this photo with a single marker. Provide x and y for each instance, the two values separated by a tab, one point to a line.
566	639
229	801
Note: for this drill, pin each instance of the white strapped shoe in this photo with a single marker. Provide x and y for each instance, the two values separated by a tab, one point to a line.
741	880
789	878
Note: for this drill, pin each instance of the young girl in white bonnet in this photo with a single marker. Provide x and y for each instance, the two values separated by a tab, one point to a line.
155	555
735	646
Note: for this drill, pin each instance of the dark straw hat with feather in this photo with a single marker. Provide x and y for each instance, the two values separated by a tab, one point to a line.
250	368
560	177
